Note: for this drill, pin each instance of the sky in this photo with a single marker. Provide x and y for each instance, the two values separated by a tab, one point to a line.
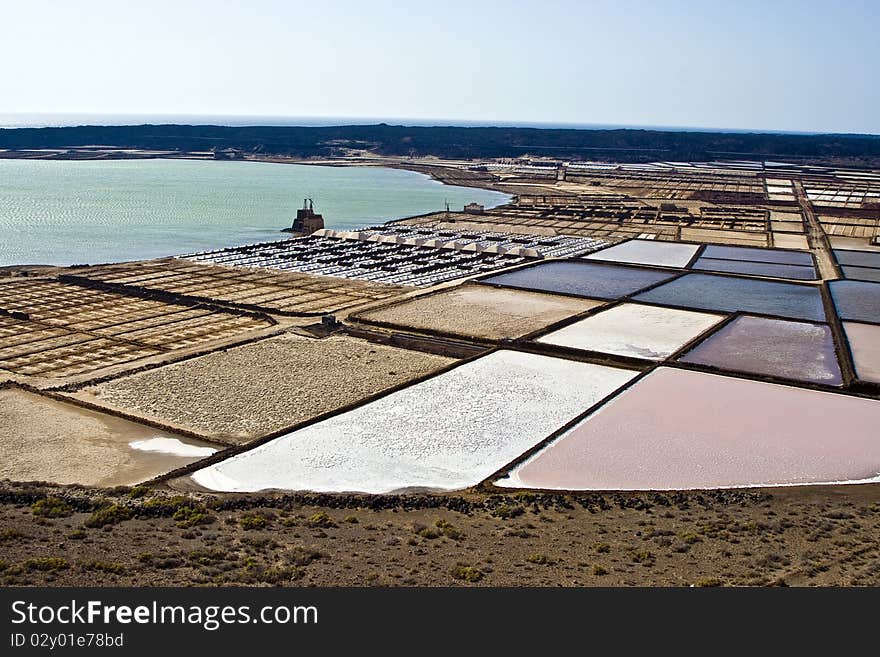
761	65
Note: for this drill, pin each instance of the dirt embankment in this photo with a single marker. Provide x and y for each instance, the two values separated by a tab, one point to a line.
798	536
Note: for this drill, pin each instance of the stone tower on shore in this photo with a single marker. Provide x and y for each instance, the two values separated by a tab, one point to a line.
306	222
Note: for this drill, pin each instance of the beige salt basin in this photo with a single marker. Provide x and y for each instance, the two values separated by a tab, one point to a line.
481	311
864	344
241	393
678	429
45	440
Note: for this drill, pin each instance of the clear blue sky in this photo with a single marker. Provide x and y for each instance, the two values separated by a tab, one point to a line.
800	65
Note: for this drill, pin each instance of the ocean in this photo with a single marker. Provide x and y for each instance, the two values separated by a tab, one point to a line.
67	212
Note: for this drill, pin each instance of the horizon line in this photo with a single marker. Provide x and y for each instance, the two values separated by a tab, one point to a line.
343	121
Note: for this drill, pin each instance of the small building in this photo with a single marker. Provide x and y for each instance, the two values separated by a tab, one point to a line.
307	220
474	208
228	154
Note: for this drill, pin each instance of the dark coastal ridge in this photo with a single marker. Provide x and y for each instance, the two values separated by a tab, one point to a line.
621	145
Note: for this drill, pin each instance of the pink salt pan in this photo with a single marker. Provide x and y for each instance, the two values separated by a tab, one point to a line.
678	429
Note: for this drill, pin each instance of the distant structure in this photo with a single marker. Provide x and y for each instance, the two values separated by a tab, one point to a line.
306	222
228	154
474	208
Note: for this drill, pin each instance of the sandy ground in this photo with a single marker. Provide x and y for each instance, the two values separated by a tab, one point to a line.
45	440
796	537
787	241
481	312
249	391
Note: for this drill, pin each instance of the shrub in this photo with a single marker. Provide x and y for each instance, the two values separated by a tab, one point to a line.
46	563
207	556
11	535
505	511
254	520
428	532
599	570
165	562
138	491
299	555
166	506
351	519
108	515
644	557
448	530
708	581
190	516
258	541
320	519
467	573
51	507
540	559
518	533
104	567
279	574
603	548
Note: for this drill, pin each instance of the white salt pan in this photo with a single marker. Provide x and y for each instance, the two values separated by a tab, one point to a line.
449	432
171	446
648	252
634	330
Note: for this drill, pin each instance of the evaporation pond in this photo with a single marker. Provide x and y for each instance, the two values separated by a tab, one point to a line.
856	300
648	252
634	330
44	439
481	311
864	344
587	279
731	294
861	273
448	432
757	254
858	258
799	272
793	350
679	429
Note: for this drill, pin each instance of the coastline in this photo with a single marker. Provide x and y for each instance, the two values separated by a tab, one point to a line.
438	170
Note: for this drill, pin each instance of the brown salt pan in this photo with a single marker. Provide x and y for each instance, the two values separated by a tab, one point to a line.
45	440
481	311
678	429
794	350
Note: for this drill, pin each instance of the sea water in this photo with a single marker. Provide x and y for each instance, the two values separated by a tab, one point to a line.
64	212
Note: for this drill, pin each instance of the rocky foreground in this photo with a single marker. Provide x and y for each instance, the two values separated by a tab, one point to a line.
52	535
